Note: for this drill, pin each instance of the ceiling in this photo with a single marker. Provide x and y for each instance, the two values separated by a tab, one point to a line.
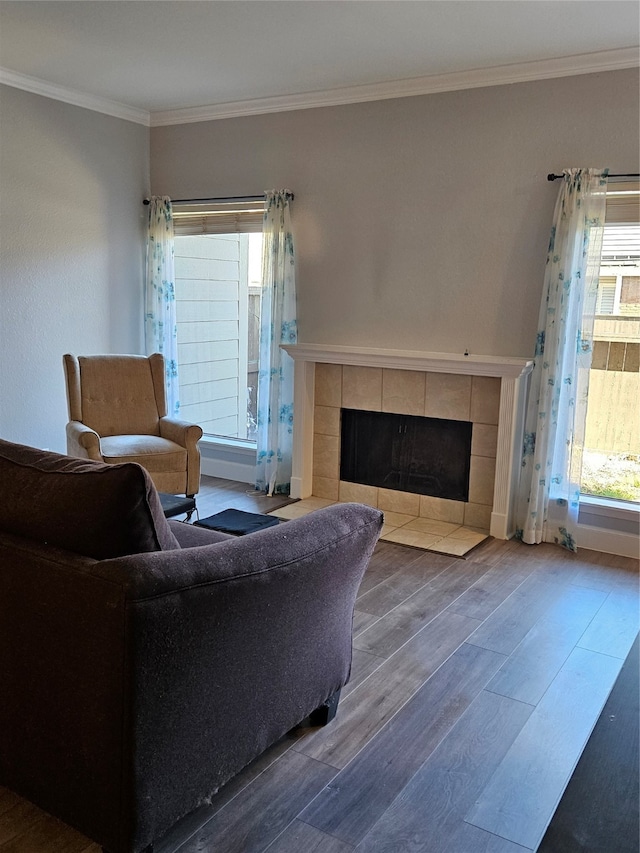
178	60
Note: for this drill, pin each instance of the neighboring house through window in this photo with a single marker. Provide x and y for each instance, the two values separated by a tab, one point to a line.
611	462
218	257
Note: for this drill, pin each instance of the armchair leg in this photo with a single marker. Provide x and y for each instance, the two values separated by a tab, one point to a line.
191	511
326	712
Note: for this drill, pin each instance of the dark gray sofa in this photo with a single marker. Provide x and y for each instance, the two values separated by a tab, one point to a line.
143	663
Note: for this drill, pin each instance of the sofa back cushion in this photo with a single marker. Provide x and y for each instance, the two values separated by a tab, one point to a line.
91	508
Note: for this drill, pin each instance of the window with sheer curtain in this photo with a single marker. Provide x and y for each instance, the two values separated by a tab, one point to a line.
218	254
611	458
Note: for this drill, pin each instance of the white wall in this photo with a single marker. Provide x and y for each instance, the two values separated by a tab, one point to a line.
422	222
71	242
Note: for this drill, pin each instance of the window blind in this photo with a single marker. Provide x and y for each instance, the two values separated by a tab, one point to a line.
623	202
228	217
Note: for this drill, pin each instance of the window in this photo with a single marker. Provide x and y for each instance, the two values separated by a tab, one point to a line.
611	461
218	258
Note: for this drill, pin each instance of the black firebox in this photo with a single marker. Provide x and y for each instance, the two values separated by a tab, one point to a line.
427	456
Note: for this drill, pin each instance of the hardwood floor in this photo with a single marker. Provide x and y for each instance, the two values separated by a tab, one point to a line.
476	684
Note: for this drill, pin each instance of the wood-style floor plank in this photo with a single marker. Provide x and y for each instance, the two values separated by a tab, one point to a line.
537	660
490	590
504	629
615	627
7	800
17	820
386	561
258	814
526	787
429	812
299	837
366	710
402	584
47	835
190	825
410	616
351	804
363	665
362	621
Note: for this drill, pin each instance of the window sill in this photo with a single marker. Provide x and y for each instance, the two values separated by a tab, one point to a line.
609	508
215	442
610	516
230	459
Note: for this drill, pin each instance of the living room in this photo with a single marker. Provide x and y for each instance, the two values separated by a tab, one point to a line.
421	222
422	214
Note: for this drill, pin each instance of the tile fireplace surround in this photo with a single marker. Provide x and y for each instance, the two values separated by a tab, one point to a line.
489	391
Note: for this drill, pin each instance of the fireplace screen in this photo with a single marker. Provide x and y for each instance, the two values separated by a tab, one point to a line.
427	456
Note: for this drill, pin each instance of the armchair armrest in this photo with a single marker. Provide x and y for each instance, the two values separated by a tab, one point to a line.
83	442
181	432
186	435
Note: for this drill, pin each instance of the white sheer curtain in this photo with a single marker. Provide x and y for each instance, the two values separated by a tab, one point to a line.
277	326
555	421
160	326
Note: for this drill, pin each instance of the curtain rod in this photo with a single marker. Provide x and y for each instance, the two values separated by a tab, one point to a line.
215	200
552	177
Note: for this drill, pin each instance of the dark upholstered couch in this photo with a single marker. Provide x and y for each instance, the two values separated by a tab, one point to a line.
143	663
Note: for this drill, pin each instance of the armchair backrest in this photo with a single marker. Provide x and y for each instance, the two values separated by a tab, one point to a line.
116	394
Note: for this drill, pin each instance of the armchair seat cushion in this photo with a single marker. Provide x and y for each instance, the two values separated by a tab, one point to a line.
156	454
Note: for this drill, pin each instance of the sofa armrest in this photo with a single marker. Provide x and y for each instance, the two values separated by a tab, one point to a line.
83	442
308	539
231	645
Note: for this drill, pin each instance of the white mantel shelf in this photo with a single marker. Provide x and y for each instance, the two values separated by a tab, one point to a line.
430	362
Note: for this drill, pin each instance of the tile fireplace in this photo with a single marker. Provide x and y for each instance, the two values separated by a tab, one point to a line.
487	391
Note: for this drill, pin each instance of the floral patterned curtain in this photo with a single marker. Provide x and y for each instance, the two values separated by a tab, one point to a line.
549	493
277	326
160	328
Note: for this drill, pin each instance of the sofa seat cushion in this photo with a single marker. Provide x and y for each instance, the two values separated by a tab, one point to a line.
152	452
90	508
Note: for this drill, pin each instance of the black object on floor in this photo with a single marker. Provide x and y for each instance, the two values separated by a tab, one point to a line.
598	812
237	522
176	505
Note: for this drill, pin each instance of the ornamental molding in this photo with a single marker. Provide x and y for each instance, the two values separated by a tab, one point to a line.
522	72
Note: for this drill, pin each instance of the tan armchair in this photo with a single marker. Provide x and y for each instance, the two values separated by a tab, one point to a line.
118	413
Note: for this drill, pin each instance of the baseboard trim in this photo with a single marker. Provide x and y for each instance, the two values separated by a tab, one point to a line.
608	541
228	463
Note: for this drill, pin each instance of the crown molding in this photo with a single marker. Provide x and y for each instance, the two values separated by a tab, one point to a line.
74	97
586	63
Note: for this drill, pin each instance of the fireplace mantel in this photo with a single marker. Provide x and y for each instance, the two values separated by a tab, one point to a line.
513	373
428	362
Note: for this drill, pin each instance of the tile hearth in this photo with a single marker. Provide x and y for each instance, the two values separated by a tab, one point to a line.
424	533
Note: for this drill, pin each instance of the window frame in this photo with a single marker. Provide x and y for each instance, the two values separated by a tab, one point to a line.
224	216
611	516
